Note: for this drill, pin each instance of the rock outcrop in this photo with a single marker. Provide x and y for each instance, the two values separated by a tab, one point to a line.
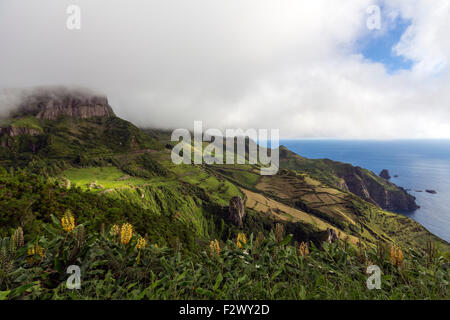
95	185
50	105
384	194
8	134
14	131
236	211
357	180
385	174
329	235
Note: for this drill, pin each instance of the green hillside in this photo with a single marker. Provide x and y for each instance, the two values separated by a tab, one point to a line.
107	172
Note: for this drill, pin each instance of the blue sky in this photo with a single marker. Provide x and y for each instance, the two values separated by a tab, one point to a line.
377	45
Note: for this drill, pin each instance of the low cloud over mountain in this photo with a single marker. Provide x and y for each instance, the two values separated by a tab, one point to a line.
293	65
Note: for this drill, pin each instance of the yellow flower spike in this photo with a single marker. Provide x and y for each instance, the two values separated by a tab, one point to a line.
33	251
215	247
396	256
241	239
40	251
114	230
139	246
126	233
303	249
68	222
140	243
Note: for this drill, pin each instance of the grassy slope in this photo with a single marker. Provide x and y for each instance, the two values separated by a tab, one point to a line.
326	170
165	200
110	177
307	191
109	152
27	122
84	142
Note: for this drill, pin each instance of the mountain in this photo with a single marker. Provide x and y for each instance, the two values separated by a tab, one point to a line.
76	140
80	186
67	127
357	180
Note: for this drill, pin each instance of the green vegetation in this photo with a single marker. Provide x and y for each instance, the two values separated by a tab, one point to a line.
108	172
27	122
108	177
113	266
81	142
328	171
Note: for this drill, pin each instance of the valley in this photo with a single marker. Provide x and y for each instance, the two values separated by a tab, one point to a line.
74	155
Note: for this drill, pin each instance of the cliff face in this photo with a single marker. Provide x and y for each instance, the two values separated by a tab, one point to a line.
359	181
52	104
11	132
14	132
52	107
387	195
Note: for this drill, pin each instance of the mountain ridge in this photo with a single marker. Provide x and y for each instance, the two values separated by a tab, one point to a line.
137	169
360	181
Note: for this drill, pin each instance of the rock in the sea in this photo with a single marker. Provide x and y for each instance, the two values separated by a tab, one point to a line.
236	210
385	174
431	191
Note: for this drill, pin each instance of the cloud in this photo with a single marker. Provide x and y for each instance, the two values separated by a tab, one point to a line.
284	64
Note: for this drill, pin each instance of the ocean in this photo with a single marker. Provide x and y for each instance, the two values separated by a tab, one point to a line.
419	164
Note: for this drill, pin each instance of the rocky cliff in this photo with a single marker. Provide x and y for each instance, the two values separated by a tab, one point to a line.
383	193
50	105
14	131
359	181
11	132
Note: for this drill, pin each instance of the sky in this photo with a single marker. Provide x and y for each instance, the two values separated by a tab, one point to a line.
312	69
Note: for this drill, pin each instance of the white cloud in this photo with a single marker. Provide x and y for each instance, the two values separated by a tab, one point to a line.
284	64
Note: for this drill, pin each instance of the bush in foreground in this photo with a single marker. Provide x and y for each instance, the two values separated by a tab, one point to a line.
120	264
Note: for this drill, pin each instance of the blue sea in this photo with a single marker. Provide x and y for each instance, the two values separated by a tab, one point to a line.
419	164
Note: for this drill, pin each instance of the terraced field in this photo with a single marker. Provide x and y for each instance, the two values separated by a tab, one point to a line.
312	193
283	212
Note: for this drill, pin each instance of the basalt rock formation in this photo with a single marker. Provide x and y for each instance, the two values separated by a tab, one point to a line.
385	194
9	133
385	174
52	104
236	211
17	131
65	104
